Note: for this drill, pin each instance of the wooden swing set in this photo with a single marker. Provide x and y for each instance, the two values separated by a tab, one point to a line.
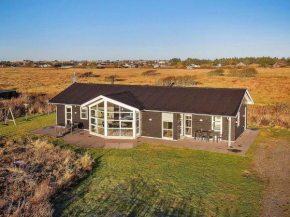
5	113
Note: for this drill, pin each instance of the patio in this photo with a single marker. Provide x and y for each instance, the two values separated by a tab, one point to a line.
84	139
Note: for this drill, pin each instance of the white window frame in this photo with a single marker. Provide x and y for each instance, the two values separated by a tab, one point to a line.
81	113
213	121
71	119
184	124
106	100
238	119
167	120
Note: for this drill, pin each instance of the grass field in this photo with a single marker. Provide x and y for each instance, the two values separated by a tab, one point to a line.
156	180
268	87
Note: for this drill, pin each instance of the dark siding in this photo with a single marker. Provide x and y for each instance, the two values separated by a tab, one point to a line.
151	128
239	130
60	115
76	117
226	128
205	124
176	126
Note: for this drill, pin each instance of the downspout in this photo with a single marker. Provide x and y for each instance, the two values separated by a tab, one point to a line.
229	132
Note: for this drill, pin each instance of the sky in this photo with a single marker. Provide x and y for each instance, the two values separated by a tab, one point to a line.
148	29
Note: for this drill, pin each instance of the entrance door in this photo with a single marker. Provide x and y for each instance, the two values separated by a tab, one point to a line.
188	125
68	114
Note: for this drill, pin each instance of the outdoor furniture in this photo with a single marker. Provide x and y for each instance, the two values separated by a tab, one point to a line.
219	137
204	136
210	135
197	134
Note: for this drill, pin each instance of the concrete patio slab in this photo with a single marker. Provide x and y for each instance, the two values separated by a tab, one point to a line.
86	140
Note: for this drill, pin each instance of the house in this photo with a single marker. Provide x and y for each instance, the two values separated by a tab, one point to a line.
131	111
218	65
191	66
240	64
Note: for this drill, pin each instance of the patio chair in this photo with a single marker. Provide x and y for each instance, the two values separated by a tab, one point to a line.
210	136
197	135
219	137
204	136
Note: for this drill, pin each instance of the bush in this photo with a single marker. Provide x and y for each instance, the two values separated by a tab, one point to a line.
178	80
116	78
217	72
243	73
32	172
87	75
150	72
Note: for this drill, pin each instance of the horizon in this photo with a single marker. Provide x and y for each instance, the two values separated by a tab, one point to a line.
130	30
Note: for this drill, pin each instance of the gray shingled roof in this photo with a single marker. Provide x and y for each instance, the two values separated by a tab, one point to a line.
198	100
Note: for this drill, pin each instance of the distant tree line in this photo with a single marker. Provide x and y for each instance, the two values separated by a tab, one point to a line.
262	61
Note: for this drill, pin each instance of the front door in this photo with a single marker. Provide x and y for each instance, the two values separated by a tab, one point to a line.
188	125
68	114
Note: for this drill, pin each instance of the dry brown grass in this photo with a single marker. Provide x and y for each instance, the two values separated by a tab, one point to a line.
268	87
43	170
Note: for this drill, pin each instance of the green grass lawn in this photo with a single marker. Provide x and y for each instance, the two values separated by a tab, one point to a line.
153	180
23	127
156	180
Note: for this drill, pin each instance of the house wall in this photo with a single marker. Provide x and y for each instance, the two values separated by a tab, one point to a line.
176	126
76	117
151	128
240	129
205	124
226	128
60	115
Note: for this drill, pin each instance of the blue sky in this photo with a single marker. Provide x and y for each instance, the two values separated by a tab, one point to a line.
160	29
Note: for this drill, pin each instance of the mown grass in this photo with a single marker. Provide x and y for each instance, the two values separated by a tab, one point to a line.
23	127
155	180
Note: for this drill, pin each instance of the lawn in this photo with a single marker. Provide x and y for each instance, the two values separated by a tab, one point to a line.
23	127
156	180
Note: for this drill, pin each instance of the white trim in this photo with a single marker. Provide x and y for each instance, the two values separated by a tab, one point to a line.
105	118
56	116
68	106
134	124
112	101
229	132
245	125
238	118
81	113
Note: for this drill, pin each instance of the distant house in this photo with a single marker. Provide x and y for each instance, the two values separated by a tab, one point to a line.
126	65
218	65
45	65
131	111
276	65
240	64
191	66
66	66
101	66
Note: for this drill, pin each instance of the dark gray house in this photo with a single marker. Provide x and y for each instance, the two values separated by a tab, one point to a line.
131	111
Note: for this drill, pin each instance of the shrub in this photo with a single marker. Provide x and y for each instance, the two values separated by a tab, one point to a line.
178	80
33	172
243	73
116	78
217	72
87	75
150	72
277	115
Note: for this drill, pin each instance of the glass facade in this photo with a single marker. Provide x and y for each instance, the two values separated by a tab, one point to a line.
120	121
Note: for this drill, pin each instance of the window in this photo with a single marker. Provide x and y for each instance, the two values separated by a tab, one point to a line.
167	125
167	129
84	113
68	114
188	125
120	120
238	119
97	118
217	123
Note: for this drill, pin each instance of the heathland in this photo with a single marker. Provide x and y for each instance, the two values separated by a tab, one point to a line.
156	180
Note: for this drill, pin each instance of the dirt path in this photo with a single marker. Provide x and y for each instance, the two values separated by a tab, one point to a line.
272	162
